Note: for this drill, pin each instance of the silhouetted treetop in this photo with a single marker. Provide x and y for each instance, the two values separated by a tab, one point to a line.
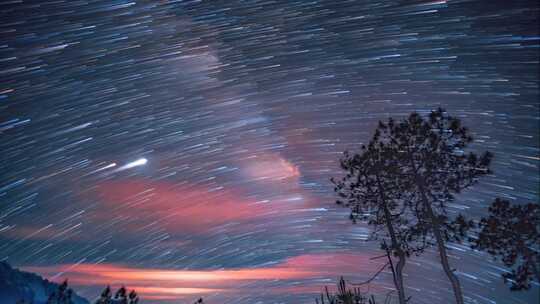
121	297
63	295
511	233
415	167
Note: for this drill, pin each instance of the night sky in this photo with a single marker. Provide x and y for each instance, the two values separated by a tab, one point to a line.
184	148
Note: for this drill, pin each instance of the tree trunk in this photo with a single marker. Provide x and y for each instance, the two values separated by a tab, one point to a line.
398	278
435	225
442	248
397	273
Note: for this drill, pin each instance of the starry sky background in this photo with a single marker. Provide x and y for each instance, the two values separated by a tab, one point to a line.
241	110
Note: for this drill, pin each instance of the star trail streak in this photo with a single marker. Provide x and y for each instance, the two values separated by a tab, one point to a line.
195	139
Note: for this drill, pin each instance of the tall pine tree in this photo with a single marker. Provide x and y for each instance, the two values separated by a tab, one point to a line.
369	189
432	168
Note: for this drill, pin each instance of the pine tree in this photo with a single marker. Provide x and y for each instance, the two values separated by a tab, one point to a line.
511	233
133	297
121	296
62	295
433	167
369	190
345	295
105	297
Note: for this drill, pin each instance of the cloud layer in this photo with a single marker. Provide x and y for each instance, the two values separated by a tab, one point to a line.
186	284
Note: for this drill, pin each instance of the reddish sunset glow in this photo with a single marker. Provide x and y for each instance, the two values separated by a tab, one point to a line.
172	284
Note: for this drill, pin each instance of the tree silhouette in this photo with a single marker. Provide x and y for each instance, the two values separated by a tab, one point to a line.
62	295
120	297
345	296
431	167
369	189
512	233
105	297
133	297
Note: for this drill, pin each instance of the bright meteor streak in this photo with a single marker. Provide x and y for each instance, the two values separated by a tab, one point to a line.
136	163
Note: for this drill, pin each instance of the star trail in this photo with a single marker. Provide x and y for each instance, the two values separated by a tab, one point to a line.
184	148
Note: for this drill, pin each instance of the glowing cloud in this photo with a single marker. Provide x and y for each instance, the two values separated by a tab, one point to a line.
270	167
177	284
183	208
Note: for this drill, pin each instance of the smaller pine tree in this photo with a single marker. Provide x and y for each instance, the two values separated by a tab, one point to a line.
121	296
511	233
105	297
133	297
62	295
345	295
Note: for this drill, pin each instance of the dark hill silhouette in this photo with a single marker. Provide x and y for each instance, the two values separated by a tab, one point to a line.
16	285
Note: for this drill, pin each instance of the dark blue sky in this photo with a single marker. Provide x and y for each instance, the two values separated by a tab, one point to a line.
191	136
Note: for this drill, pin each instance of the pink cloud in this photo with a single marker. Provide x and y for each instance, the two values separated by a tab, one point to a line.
186	209
179	284
270	167
176	208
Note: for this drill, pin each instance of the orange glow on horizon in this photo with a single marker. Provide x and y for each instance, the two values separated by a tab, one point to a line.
176	284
